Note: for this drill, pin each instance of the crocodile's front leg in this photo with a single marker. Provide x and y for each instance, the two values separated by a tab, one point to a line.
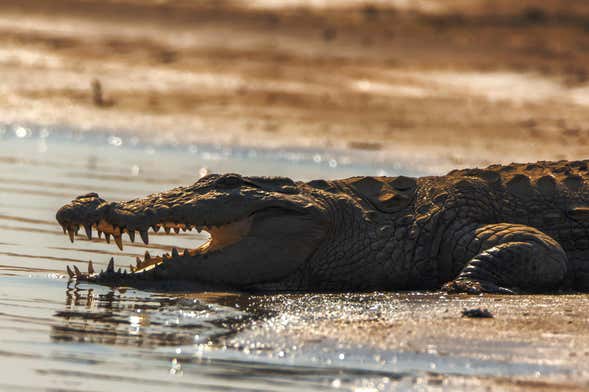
508	258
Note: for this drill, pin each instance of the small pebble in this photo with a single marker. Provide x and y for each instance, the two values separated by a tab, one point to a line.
477	313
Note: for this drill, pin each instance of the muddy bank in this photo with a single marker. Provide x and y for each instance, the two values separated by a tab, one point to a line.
442	84
529	331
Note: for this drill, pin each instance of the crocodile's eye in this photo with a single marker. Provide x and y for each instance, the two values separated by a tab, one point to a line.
229	181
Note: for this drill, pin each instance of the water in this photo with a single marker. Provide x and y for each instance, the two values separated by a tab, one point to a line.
60	336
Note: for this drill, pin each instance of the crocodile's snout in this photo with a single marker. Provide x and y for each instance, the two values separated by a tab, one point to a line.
83	209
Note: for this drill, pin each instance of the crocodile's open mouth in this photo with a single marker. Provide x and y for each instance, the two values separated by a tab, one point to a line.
221	236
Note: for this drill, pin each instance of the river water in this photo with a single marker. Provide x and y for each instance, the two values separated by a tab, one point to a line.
66	337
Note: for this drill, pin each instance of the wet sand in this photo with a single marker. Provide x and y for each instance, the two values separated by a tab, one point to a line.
438	83
535	330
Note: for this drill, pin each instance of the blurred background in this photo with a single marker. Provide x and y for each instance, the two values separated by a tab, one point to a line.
434	83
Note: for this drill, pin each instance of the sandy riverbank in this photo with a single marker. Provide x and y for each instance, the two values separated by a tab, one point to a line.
442	83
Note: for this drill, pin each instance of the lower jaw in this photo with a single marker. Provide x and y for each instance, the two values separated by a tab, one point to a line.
220	237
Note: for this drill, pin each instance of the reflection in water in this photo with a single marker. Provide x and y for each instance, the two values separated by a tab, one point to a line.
191	330
125	317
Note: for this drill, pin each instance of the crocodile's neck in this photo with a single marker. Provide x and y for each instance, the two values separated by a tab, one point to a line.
363	247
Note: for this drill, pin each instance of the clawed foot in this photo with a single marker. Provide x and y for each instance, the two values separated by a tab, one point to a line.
469	286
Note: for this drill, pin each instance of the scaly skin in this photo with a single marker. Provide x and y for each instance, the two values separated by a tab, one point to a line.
503	229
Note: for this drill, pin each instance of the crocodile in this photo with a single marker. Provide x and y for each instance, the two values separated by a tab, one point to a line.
522	227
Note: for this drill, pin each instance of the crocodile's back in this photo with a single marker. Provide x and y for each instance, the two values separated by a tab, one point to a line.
550	196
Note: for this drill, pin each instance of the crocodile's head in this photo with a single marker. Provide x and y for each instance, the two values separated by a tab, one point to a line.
262	231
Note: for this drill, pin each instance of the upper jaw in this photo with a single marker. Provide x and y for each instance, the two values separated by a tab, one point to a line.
110	223
159	211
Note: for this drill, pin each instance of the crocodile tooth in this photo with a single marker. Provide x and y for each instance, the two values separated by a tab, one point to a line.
199	229
90	268
131	234
77	228
186	253
69	271
119	241
176	229
155	228
174	253
138	261
147	256
167	229
99	233
77	271
88	229
119	271
107	238
111	266
144	236
131	268
64	228
71	233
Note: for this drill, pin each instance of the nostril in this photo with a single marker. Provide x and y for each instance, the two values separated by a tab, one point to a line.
88	195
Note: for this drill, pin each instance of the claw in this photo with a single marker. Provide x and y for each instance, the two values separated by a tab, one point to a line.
476	287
